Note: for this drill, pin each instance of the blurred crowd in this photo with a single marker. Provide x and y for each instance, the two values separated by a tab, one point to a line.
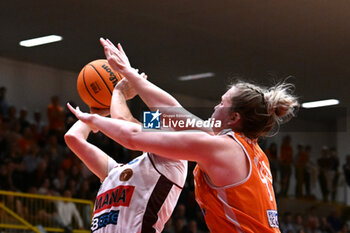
312	222
309	171
35	159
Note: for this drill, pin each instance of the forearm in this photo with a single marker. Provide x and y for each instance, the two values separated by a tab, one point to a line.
151	95
95	159
119	108
79	130
119	130
157	99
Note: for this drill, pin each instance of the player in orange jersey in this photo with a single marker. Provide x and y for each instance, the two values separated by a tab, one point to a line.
233	179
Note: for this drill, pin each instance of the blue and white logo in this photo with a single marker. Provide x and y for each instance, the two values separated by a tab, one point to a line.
151	120
104	220
272	216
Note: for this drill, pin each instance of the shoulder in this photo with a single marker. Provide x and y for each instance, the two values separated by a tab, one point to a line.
174	170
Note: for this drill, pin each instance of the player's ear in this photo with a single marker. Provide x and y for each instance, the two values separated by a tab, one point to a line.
235	119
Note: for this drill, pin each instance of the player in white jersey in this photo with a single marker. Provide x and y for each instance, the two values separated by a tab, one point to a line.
136	197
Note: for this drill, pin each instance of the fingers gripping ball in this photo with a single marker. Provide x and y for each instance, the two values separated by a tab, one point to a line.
96	82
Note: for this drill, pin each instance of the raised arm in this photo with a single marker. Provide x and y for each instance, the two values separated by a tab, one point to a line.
93	157
153	96
119	108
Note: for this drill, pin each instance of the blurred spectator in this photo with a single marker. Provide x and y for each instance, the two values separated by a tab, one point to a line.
16	168
191	227
271	154
23	121
26	141
41	172
31	162
3	102
324	168
55	153
67	211
4	177
38	122
299	222
325	227
315	226
346	169
300	166
12	117
179	225
168	227
73	186
334	220
287	223
4	140
307	171
44	189
345	229
311	215
334	173
60	181
286	160
55	114
85	191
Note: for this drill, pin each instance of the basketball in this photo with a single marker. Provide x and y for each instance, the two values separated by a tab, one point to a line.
96	82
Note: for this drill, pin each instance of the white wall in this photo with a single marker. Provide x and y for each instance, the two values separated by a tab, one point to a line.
31	86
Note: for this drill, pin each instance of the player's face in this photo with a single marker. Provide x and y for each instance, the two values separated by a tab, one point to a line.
222	111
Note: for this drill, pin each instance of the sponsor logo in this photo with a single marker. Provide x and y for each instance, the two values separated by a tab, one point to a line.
104	220
155	120
190	123
272	216
151	120
265	176
112	77
119	196
126	175
95	87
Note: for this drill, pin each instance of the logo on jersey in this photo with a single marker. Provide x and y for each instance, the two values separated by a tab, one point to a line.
151	120
119	196
265	176
104	220
126	175
272	216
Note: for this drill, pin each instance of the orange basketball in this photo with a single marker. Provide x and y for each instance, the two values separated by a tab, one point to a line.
96	82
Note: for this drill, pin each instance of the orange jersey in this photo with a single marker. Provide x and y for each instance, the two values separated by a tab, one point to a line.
247	206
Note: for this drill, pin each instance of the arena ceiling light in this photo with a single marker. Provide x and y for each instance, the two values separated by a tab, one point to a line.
40	41
196	76
320	103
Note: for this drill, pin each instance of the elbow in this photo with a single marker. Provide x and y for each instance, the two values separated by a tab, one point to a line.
70	139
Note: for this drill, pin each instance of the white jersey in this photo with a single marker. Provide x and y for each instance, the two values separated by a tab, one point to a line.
139	196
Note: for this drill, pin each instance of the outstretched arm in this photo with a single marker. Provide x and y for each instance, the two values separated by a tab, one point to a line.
194	146
153	96
218	156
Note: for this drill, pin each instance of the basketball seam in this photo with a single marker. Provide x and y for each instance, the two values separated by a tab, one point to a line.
101	78
120	77
89	91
